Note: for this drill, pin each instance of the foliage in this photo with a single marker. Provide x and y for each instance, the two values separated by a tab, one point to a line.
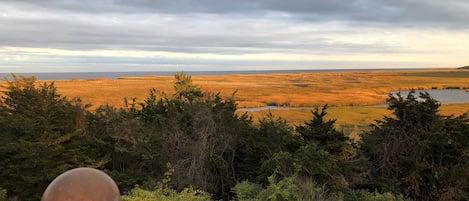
3	194
326	153
199	132
285	189
419	152
289	188
261	144
168	145
247	191
165	194
321	152
323	133
295	188
136	153
42	136
363	195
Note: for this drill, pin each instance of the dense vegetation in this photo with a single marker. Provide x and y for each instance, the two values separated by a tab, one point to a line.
191	145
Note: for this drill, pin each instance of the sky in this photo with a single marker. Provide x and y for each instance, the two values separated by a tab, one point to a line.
206	35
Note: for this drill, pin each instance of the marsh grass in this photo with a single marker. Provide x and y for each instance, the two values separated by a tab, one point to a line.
351	120
348	93
293	89
453	74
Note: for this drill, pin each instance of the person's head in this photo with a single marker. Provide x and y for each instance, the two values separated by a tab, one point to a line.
82	184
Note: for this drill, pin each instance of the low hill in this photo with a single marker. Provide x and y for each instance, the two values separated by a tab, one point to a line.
464	67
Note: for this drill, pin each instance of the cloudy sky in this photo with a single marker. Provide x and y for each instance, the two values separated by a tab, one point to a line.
174	35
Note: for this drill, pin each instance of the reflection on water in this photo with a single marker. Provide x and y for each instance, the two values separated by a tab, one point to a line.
445	96
256	109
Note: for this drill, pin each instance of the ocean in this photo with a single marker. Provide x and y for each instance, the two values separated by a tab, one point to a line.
116	75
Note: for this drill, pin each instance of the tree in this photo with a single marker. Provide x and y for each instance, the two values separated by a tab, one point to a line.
326	153
185	89
135	152
200	132
273	135
323	133
42	136
320	153
419	152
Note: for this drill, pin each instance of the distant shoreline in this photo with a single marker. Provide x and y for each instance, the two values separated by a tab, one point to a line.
117	75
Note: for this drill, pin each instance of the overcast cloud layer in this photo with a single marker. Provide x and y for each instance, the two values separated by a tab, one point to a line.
154	35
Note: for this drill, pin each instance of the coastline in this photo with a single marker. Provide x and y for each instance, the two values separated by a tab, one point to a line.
117	75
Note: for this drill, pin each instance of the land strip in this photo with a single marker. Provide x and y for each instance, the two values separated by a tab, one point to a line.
351	95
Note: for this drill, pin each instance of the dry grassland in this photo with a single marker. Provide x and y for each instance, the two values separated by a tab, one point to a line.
340	90
351	120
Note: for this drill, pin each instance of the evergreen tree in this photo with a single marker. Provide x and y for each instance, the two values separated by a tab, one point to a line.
323	133
272	136
200	132
321	153
42	136
419	152
326	153
135	152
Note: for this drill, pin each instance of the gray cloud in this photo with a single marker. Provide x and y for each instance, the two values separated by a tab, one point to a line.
226	27
190	34
447	13
207	25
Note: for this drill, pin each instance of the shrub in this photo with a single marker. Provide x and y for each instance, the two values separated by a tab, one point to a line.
247	191
362	195
3	194
166	194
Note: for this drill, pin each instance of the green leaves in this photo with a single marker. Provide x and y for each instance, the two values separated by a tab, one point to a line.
42	136
415	151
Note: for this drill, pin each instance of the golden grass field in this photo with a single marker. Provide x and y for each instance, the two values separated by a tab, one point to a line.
350	95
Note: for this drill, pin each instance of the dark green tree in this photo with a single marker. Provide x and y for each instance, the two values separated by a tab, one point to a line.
326	154
135	152
419	152
272	136
42	136
323	133
200	132
320	153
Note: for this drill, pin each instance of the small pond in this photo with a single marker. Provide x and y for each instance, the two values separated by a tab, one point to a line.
445	96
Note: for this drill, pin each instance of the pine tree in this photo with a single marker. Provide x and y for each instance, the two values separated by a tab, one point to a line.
419	152
326	152
42	136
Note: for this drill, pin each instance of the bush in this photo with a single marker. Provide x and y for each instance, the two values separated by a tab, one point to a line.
289	188
166	194
3	194
247	191
362	195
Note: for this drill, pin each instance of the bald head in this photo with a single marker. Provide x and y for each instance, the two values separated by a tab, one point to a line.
82	184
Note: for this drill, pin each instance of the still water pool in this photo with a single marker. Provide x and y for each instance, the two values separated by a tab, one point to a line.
445	96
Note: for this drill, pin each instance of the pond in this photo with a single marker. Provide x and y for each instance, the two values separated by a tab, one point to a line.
445	96
256	109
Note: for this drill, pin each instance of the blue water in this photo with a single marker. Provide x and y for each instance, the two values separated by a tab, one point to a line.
116	75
